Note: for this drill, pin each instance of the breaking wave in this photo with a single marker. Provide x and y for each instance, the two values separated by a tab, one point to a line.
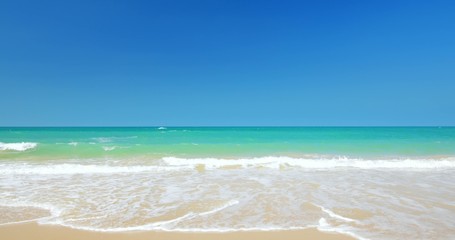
316	163
22	146
68	168
185	164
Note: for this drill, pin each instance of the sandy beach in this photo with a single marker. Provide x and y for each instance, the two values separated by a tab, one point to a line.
109	183
34	231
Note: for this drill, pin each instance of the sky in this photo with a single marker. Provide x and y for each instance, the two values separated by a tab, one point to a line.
227	63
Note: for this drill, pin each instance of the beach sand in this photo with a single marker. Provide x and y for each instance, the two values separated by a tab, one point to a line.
31	231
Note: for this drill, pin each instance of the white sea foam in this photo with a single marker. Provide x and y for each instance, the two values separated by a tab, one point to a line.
56	218
22	146
228	204
185	164
334	215
316	163
161	225
323	223
324	226
67	168
73	143
20	222
245	198
108	148
162	128
112	139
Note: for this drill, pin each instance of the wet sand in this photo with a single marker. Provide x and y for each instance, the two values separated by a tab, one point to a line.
34	231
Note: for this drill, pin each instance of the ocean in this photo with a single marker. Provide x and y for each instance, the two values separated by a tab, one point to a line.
367	182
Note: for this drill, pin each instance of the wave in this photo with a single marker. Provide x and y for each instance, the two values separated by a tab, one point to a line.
21	146
107	148
334	215
159	226
185	164
324	226
67	168
112	139
228	204
313	163
54	217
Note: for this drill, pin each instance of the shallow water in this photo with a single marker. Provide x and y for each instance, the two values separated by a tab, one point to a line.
274	181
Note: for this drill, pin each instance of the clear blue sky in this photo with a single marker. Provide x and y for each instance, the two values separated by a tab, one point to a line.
130	63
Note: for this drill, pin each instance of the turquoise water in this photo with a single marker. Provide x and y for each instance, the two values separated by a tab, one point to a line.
227	142
370	183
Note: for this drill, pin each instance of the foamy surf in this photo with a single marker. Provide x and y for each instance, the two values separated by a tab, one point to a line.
315	163
108	148
183	164
20	146
68	168
196	164
394	183
113	139
55	217
176	197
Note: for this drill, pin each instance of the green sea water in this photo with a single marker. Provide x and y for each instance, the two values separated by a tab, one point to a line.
367	182
224	142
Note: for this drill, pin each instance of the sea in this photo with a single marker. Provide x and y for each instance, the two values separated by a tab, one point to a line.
366	182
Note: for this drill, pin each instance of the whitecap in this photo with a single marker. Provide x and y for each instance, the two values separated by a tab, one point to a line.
315	163
22	146
108	148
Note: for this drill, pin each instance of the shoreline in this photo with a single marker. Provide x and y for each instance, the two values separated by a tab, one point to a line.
26	231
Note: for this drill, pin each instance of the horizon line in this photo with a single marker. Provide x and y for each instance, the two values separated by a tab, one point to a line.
224	126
